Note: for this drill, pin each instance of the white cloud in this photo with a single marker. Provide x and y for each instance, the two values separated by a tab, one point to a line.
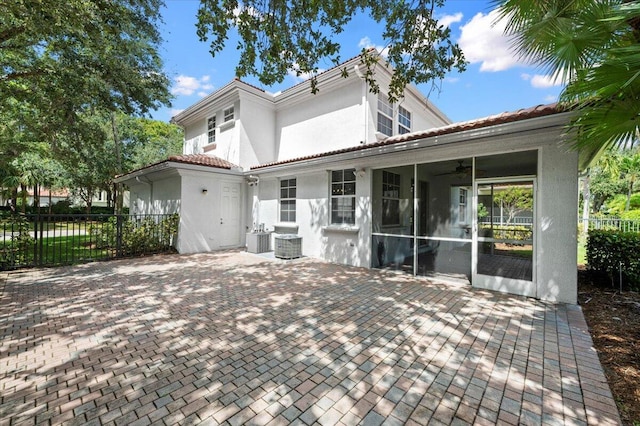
451	79
366	43
203	94
551	98
542	81
175	111
483	41
186	85
303	76
447	20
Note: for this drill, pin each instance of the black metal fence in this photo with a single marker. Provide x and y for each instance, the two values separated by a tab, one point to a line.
49	240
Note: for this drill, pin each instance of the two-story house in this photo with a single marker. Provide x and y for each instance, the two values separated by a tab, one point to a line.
369	183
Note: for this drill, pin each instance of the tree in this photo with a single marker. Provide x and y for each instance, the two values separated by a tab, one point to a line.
153	141
64	59
514	200
595	46
116	143
616	172
280	36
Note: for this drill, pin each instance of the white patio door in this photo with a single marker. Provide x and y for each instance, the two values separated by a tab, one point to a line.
230	214
504	235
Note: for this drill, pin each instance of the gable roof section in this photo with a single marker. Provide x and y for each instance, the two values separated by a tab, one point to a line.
333	74
234	85
191	159
503	118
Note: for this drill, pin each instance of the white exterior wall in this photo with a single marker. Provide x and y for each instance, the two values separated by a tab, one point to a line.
156	197
200	215
557	224
256	126
195	137
329	120
349	245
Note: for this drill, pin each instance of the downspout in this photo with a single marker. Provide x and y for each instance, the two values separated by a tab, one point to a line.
365	102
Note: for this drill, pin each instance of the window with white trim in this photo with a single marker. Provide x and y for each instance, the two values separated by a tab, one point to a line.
288	200
404	121
385	115
228	114
462	206
211	129
343	197
390	198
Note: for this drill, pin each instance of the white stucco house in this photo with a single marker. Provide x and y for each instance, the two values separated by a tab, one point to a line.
373	184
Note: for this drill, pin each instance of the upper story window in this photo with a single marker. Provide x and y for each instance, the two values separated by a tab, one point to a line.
288	200
211	129
343	197
228	114
404	121
390	198
385	115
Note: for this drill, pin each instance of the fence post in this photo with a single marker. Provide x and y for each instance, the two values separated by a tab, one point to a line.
119	235
40	241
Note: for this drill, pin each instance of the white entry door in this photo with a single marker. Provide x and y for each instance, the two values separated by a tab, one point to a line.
230	214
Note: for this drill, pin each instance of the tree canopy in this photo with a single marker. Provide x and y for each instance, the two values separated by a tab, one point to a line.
59	60
280	36
594	45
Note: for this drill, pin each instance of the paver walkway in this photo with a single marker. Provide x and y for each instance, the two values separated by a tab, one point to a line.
231	338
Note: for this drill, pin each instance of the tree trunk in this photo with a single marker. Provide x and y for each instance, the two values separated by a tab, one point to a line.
50	201
36	197
586	201
116	141
23	195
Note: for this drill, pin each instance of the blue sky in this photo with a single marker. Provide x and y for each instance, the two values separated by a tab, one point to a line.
495	80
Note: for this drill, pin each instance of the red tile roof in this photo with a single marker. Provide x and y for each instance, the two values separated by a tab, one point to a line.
503	118
202	160
196	159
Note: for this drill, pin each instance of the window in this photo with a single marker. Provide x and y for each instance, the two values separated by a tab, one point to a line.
343	197
385	115
288	200
404	121
228	114
211	129
462	206
390	198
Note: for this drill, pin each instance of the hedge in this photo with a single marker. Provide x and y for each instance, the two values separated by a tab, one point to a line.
608	250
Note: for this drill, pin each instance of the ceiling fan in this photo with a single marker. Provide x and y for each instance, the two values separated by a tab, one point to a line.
461	170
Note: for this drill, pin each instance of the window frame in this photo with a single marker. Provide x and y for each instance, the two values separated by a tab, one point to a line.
384	108
211	130
341	191
463	199
229	114
291	188
404	120
391	185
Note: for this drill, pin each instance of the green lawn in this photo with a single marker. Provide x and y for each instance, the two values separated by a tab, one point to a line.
58	250
582	251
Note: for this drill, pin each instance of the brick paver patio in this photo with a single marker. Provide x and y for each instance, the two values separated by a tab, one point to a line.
229	338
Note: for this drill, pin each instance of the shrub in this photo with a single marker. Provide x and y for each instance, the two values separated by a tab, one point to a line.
139	235
611	251
14	253
631	215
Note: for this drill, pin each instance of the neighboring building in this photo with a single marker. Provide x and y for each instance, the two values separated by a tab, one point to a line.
367	183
